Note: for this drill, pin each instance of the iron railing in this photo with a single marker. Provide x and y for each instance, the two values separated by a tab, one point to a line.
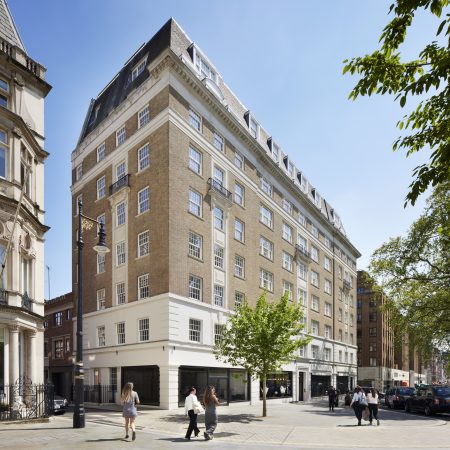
3	296
302	253
217	186
24	400
119	184
99	393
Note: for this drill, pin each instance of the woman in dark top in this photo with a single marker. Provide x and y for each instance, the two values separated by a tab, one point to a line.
211	401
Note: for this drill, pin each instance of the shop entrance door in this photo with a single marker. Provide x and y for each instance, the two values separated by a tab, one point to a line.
301	376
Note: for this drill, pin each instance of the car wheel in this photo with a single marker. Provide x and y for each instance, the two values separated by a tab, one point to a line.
407	407
428	411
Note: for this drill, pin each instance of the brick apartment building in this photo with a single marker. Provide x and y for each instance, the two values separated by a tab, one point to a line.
58	343
202	209
383	362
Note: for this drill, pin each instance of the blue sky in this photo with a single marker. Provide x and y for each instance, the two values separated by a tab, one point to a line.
282	58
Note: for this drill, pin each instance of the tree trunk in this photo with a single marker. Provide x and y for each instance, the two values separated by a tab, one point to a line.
264	379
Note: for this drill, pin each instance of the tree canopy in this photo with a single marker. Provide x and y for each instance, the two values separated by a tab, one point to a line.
263	338
425	77
414	271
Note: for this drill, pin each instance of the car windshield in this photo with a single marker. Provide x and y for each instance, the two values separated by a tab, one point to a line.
406	391
443	391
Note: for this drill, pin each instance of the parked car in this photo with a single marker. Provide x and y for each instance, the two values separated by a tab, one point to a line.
429	400
396	396
60	404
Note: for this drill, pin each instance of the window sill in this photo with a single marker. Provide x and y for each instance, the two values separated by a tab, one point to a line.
195	259
195	215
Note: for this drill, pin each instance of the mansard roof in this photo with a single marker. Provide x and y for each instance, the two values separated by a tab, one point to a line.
8	29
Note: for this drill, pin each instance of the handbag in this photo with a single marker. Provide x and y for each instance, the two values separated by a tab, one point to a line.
363	401
198	408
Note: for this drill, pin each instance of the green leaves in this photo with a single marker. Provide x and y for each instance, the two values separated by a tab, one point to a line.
414	271
264	337
384	72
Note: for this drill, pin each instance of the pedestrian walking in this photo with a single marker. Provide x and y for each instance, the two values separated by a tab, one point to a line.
359	403
130	399
211	401
191	404
372	400
332	394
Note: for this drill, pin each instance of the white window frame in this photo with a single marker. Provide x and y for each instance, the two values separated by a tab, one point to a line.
121	293
143	329
101	336
219	218
195	120
138	68
328	311
101	299
194	207
266	248
195	245
266	216
327	286
288	206
302	297
327	263
121	135
314	253
218	333
266	280
198	287
327	331
219	142
302	271
266	186
101	152
219	295
315	303
79	172
143	283
239	233
239	266
315	328
315	280
195	160
101	262
287	232
143	116
253	127
287	261
238	160
239	298
239	193
144	200
121	333
219	257
121	253
289	288
121	215
143	157
195	330
143	243
101	187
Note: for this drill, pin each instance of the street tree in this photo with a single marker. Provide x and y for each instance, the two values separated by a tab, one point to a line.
424	77
414	271
263	338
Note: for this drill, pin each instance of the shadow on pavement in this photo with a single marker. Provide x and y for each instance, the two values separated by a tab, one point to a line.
34	429
241	418
107	440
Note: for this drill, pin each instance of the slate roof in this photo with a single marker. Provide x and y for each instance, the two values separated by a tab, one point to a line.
8	30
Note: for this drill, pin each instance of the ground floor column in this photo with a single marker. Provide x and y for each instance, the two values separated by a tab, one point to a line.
14	353
254	391
6	348
168	387
32	358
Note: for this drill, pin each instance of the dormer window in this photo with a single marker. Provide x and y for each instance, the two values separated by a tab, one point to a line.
138	68
253	125
274	150
203	67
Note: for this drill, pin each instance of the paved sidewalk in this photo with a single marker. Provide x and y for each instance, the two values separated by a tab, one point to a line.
309	426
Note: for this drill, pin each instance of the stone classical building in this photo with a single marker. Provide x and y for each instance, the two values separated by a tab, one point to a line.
58	344
22	229
202	209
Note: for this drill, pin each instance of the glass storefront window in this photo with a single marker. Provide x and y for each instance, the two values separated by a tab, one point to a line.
278	385
2	359
232	385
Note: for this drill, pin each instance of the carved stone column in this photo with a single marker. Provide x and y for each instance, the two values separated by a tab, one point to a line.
32	338
14	353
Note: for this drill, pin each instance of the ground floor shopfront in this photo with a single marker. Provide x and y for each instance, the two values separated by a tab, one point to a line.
167	347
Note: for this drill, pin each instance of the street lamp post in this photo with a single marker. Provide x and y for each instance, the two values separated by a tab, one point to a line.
88	223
